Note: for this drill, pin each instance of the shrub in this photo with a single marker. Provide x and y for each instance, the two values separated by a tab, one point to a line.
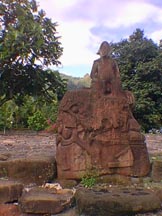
28	112
88	181
37	121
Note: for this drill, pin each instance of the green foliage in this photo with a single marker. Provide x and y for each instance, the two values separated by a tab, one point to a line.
7	114
90	178
88	181
28	43
37	121
139	60
17	112
27	34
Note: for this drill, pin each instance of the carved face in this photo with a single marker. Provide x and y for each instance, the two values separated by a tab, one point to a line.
104	49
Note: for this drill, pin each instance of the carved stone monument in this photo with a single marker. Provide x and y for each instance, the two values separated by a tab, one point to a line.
96	127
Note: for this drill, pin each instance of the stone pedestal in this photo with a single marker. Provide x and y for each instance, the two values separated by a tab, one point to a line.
97	132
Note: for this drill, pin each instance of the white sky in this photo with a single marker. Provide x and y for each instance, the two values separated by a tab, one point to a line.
84	24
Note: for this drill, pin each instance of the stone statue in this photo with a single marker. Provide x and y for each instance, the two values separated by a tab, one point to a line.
96	127
105	72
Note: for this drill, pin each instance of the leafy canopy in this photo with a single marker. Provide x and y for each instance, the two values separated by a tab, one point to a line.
140	64
28	43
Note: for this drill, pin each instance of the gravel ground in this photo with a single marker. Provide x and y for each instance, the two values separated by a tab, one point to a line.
14	145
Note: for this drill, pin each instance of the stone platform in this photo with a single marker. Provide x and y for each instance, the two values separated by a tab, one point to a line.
98	132
19	187
28	157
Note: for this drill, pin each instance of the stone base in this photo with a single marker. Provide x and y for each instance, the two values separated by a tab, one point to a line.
97	132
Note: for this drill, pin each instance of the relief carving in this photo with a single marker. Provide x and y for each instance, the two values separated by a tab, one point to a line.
96	127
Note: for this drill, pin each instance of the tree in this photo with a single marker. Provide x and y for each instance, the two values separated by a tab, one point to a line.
139	60
28	44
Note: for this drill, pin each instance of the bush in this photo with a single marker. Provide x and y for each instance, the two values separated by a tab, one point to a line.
7	112
29	112
37	121
88	182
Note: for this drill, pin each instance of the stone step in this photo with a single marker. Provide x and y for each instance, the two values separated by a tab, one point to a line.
101	200
10	191
37	165
35	169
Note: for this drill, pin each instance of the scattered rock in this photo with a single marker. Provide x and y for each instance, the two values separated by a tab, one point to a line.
4	157
41	200
10	191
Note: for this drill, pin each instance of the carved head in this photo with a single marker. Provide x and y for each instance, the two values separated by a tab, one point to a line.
104	49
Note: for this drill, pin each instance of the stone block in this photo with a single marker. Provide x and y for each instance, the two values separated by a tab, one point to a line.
157	170
115	201
46	201
10	191
29	170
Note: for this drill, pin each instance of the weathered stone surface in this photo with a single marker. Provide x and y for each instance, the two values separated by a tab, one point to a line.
10	191
67	183
9	210
46	201
115	201
157	170
154	142
26	214
159	193
69	212
114	179
96	128
35	169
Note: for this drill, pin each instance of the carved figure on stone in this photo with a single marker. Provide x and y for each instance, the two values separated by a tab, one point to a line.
105	72
97	129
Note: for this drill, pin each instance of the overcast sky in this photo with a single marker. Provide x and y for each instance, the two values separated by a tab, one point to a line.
84	24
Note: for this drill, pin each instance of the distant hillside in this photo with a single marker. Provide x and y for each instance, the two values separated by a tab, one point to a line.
77	82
